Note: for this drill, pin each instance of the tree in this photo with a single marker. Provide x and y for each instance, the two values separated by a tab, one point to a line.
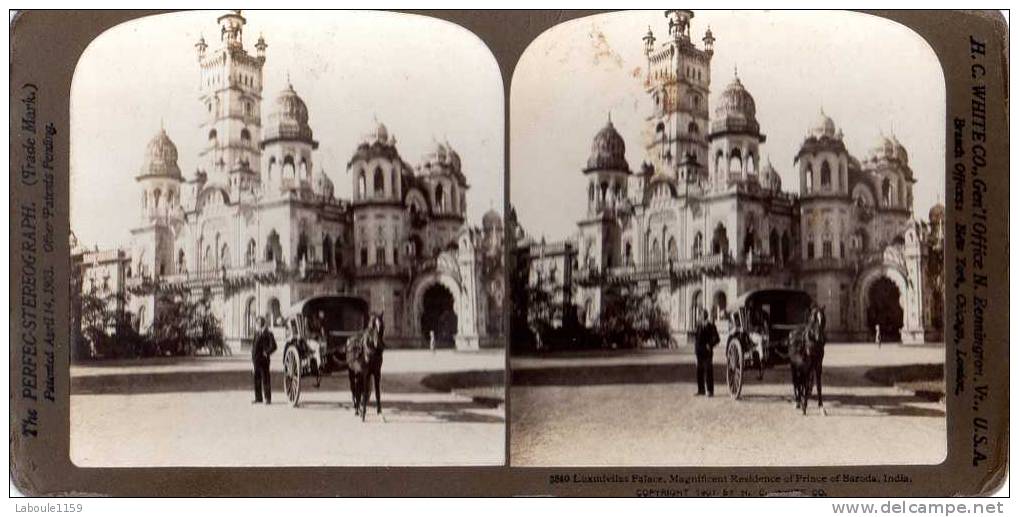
630	318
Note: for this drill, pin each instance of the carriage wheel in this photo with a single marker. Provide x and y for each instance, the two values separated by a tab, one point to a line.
292	375
734	368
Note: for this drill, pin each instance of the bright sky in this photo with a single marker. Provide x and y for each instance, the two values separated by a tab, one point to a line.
869	74
426	79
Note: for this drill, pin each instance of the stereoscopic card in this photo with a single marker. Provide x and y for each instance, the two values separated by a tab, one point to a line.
682	253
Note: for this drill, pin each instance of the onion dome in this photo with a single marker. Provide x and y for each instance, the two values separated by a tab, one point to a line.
289	118
160	158
736	111
824	127
443	160
322	185
769	176
888	148
491	221
608	151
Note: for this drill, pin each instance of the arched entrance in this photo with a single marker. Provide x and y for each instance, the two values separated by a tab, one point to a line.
438	315
884	309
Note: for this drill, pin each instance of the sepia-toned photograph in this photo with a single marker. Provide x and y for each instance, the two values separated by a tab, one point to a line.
287	243
727	242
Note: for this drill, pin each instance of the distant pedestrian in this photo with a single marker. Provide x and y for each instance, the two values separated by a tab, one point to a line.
877	335
261	350
431	340
705	339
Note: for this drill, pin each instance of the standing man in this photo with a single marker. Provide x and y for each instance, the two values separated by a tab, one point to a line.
705	339
261	349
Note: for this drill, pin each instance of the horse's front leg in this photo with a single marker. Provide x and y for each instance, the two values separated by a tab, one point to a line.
378	391
820	398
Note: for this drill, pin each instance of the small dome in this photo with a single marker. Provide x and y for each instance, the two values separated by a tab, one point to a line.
770	177
381	134
886	148
937	213
322	185
160	157
491	220
824	127
736	111
289	118
608	151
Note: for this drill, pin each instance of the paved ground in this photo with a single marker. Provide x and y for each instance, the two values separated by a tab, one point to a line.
438	409
639	408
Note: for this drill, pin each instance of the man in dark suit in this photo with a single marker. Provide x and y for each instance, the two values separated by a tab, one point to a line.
261	349
705	339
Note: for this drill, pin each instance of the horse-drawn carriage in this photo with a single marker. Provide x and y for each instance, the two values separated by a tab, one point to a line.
759	324
317	330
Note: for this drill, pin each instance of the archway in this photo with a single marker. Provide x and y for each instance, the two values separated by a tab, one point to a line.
438	315
884	309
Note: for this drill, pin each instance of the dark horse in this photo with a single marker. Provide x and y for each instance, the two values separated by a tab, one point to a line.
806	356
364	364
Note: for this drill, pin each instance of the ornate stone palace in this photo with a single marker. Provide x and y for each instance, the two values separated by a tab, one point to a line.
257	226
705	219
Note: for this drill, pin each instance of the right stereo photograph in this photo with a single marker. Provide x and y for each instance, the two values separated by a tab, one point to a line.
727	242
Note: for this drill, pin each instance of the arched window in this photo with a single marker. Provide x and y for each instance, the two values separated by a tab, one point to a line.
379	183
302	247
735	162
696	305
288	166
698	245
249	253
656	252
720	307
719	162
362	185
250	315
182	265
209	262
692	129
155	197
380	253
224	256
440	198
394	183
304	171
212	134
245	136
338	254
628	254
720	241
248	108
825	175
773	244
886	192
327	252
275	315
364	255
673	251
271	168
273	250
810	178
590	192
751	167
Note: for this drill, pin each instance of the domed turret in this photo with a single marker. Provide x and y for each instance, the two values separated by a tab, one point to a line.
769	176
160	158
491	221
289	118
736	111
937	213
824	127
608	151
322	185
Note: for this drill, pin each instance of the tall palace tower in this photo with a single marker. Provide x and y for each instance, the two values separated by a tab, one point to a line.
231	91
678	82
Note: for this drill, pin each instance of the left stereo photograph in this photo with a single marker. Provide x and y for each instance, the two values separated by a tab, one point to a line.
287	243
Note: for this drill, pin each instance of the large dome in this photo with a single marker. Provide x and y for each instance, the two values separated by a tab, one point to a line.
736	110
160	157
289	118
608	151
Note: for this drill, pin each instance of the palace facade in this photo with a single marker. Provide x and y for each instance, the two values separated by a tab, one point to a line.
704	219
257	225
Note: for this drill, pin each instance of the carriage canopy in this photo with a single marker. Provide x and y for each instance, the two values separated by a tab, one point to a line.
782	306
342	313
